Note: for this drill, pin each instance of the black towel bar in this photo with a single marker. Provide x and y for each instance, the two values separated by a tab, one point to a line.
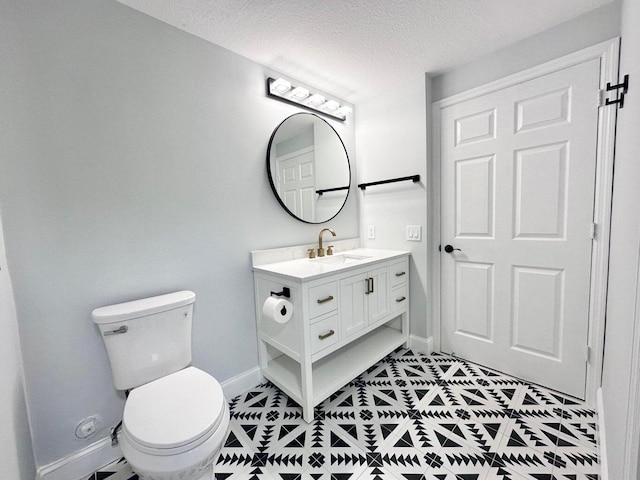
414	178
324	190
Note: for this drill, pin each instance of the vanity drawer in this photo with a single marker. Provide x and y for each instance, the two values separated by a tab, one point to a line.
399	273
399	297
323	299
324	333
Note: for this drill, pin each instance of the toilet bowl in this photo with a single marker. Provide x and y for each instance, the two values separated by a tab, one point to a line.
175	418
174	427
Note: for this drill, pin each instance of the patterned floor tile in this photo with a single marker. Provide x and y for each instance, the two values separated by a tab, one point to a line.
410	417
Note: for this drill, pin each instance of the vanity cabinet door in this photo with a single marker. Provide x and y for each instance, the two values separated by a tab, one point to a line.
353	305
364	300
378	296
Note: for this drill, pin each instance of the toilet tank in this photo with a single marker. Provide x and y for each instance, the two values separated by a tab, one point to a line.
147	339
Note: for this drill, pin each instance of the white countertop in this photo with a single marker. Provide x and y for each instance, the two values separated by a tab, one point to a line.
312	268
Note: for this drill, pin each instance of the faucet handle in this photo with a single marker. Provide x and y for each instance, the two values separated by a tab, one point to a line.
330	250
312	252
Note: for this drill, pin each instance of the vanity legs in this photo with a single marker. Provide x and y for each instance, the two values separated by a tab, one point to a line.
307	391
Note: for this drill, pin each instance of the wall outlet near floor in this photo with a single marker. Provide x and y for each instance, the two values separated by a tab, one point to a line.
371	232
414	233
88	427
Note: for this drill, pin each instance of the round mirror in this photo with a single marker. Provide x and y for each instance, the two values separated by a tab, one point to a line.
308	168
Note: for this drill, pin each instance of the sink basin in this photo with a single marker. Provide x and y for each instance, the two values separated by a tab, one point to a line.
342	259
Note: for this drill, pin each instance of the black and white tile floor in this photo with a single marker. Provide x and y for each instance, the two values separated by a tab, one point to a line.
410	417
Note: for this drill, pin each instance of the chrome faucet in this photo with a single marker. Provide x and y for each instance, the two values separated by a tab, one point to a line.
320	249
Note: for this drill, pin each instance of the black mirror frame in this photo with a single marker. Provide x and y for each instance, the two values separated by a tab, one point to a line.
270	175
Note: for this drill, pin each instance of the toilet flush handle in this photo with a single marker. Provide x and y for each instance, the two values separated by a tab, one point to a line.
122	329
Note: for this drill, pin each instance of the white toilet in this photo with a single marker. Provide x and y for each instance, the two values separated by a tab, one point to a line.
176	418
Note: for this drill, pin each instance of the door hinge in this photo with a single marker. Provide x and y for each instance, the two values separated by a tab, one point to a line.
587	353
621	90
593	230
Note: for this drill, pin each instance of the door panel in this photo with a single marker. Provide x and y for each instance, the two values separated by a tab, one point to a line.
540	192
538	300
474	197
517	186
474	299
378	299
353	304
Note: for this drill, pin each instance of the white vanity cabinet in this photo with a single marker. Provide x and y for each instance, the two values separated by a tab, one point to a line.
346	317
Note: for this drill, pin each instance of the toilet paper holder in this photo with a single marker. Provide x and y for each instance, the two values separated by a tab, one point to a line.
286	292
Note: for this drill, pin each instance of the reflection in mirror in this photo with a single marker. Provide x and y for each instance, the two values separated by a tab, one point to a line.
308	168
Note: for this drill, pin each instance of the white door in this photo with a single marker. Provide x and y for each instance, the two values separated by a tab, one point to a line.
296	183
518	174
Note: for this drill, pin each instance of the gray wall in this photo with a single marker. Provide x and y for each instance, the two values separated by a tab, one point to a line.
622	313
391	142
133	164
588	29
15	438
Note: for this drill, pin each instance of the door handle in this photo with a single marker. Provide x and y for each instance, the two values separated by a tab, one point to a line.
450	248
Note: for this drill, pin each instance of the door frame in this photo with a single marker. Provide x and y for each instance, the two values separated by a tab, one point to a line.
608	54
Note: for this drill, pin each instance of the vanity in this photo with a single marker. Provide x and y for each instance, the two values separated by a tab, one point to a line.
349	310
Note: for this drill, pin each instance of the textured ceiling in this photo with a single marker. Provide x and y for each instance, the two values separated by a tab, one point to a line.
355	49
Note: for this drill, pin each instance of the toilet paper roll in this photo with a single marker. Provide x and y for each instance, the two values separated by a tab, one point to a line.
277	309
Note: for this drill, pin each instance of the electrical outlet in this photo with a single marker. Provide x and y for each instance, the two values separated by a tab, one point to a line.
414	233
371	232
88	426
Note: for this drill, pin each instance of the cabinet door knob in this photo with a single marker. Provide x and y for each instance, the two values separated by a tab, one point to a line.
399	274
401	299
326	299
326	335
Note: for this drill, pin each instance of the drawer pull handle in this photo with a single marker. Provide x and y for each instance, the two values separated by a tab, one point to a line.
325	300
401	299
326	335
399	274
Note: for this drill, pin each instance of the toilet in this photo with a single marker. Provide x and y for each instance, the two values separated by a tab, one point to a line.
175	418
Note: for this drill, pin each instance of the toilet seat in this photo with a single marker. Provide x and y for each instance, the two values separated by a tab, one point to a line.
175	413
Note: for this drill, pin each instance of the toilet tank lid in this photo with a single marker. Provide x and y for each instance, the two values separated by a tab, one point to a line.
142	307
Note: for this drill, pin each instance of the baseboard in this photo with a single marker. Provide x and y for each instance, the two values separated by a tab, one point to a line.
604	470
82	463
421	344
241	383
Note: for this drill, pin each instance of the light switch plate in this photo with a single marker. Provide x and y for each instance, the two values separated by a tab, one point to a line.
414	233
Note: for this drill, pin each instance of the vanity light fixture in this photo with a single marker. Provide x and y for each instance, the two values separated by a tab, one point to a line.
300	93
281	86
316	100
330	106
344	110
281	89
